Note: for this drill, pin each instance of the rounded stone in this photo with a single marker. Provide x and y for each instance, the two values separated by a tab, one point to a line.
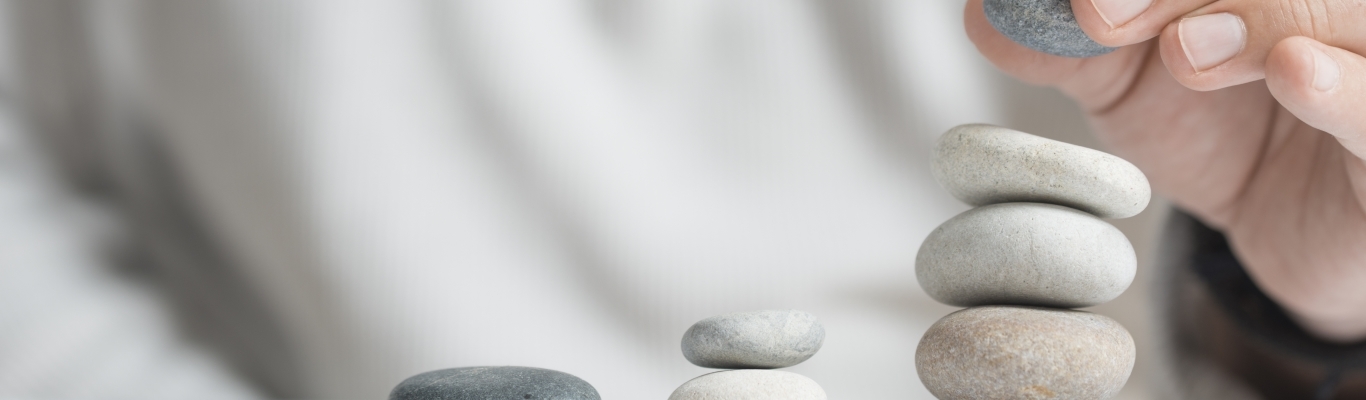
1043	25
1004	352
480	383
1025	254
754	340
749	384
984	164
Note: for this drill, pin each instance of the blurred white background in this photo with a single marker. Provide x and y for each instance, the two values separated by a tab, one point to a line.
317	199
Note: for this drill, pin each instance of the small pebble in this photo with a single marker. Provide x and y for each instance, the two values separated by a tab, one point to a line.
754	340
984	164
483	383
1025	254
1002	352
1044	25
749	384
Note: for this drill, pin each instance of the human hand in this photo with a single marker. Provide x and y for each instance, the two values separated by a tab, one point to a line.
1277	165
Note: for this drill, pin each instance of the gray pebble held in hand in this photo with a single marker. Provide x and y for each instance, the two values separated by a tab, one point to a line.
751	343
1043	25
482	383
1030	242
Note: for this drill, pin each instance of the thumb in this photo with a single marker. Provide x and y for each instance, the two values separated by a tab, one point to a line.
1323	86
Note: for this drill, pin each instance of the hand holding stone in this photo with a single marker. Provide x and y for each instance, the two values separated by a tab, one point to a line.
1276	165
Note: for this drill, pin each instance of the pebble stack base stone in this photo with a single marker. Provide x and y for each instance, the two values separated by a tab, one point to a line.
483	383
1008	352
1043	25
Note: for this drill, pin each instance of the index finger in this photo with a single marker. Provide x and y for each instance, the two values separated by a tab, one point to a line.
1205	50
1117	23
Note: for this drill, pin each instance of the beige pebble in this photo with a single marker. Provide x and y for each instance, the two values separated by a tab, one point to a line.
750	384
984	164
1007	352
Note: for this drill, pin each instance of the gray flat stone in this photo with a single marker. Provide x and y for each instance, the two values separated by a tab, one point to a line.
984	164
494	383
749	384
758	339
1044	25
1003	352
1025	254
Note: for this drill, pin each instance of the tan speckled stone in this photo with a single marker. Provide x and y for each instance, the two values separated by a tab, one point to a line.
749	384
984	164
1007	352
1025	254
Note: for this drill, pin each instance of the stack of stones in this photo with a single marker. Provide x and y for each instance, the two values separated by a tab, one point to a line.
500	383
750	345
1033	248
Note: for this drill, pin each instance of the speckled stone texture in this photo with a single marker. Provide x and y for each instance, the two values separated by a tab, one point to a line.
1025	254
754	340
984	164
1044	25
494	383
1004	352
749	384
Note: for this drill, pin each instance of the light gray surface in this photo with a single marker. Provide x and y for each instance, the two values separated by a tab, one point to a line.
755	339
750	385
486	383
985	164
1044	25
1025	254
1003	352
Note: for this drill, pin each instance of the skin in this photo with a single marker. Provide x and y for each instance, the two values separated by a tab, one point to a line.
1249	146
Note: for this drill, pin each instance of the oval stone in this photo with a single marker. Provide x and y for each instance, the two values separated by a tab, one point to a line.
757	339
1043	25
1025	254
480	383
1005	352
984	164
749	384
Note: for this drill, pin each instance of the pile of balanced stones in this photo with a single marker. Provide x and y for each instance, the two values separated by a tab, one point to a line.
1033	248
1048	26
749	345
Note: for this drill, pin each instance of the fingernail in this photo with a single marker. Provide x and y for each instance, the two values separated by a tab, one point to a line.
1210	40
1327	72
1120	12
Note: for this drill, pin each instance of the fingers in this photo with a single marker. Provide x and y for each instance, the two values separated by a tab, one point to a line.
1227	42
1117	23
1323	86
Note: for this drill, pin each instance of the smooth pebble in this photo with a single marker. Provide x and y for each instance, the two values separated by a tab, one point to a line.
756	339
1044	25
1025	254
984	164
749	384
1002	352
482	383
